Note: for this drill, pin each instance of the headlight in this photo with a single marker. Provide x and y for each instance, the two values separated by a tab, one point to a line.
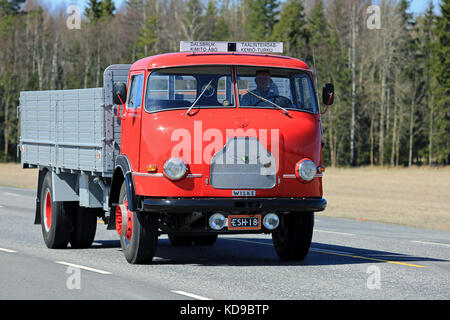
175	169
306	170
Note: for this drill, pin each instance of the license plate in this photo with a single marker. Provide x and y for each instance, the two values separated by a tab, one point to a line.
244	222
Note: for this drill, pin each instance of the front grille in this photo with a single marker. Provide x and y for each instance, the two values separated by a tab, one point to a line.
243	163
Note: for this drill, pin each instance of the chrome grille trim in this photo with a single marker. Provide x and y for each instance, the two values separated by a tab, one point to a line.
243	163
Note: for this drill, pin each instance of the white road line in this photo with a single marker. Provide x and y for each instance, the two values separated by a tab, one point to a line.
334	232
7	250
83	267
433	243
11	194
191	295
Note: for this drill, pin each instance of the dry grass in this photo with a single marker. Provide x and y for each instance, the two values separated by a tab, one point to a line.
12	175
418	197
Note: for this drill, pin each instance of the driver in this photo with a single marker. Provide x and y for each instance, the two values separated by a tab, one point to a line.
264	88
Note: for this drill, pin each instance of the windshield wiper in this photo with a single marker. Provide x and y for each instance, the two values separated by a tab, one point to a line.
270	102
199	96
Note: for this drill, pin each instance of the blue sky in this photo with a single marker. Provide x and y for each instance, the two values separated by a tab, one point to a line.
417	6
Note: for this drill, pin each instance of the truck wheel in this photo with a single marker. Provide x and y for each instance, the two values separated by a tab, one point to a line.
293	240
84	227
205	240
56	217
180	240
139	232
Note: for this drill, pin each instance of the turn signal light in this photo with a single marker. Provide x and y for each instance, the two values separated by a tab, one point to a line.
151	168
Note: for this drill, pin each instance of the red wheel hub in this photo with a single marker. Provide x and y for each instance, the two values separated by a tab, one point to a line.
124	221
48	210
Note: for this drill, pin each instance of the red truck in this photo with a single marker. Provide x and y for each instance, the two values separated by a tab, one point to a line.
190	144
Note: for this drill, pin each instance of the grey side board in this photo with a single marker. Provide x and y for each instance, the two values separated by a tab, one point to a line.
75	134
63	129
72	129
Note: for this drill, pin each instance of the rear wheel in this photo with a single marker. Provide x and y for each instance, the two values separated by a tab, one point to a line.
293	240
84	226
56	217
138	232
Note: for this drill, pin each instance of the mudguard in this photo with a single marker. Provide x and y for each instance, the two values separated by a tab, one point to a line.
122	171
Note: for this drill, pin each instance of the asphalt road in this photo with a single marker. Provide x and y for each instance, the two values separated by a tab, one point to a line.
348	260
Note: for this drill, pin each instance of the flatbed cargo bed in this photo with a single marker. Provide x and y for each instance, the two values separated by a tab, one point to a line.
72	130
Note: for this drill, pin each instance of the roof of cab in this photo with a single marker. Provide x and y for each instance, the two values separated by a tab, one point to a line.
217	58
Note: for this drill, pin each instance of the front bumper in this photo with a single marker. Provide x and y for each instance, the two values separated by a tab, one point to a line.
233	205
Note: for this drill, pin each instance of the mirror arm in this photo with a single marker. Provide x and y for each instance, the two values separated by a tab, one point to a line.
119	115
328	104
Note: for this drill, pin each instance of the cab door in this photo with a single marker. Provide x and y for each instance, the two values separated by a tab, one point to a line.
131	124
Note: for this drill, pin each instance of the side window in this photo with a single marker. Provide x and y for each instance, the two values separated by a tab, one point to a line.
305	93
136	91
158	88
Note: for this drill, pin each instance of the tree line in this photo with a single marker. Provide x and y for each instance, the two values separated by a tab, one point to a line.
390	69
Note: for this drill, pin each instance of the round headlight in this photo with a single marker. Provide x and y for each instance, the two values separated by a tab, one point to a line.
175	169
306	170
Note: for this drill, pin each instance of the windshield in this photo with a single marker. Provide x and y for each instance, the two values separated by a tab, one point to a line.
179	88
273	87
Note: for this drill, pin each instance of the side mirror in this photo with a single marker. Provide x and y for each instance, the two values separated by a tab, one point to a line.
119	90
327	90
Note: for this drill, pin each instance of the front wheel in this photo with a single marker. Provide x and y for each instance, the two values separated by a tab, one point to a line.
293	240
138	232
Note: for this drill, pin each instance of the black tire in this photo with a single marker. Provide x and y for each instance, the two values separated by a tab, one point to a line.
293	240
84	226
180	240
56	217
142	245
205	240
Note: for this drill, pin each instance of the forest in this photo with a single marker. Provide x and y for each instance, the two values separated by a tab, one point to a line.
390	68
